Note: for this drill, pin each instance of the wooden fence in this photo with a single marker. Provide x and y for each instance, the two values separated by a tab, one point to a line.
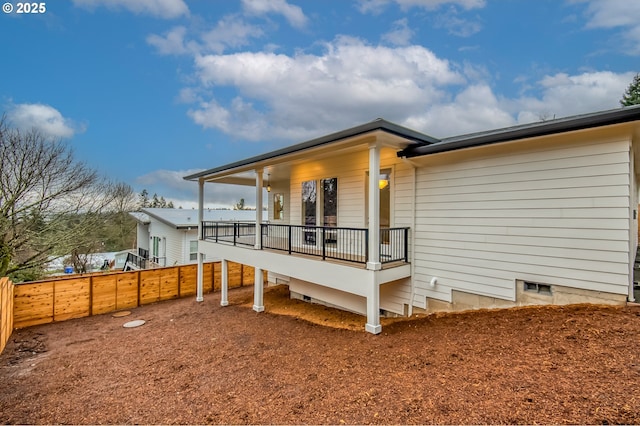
6	311
79	296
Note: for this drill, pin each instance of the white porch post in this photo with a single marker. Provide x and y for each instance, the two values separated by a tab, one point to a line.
258	284
373	307
258	244
199	286
373	262
224	285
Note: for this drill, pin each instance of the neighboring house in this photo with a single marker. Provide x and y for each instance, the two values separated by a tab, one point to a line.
169	237
382	219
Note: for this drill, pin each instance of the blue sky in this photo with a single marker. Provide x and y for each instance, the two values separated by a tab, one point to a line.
147	91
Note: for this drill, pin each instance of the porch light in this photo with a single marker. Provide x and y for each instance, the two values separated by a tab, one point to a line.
383	183
268	184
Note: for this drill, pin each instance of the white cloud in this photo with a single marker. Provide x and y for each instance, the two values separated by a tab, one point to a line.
612	14
231	31
351	82
293	14
474	109
563	95
400	35
377	6
44	118
165	9
457	26
478	108
172	43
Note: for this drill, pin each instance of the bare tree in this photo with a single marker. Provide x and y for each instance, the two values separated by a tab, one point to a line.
49	202
124	201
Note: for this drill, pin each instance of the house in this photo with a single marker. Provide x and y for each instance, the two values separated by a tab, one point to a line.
380	219
168	237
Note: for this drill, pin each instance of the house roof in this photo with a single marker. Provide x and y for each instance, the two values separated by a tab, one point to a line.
375	125
561	125
422	144
186	218
140	217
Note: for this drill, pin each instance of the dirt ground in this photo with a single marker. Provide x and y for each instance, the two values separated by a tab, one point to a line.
199	363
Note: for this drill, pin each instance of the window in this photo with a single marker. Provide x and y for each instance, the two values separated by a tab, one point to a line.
155	248
309	196
278	206
384	183
330	202
193	250
384	186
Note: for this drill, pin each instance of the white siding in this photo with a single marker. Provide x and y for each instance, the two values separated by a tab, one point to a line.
556	213
351	171
174	242
188	236
142	236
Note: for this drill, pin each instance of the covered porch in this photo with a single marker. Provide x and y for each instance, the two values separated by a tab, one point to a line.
339	216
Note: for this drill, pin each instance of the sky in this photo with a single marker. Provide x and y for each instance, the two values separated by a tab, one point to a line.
148	91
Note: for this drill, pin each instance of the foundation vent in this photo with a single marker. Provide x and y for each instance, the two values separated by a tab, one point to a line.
540	288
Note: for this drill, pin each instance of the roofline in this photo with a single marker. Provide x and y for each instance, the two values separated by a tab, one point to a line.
137	219
378	124
561	125
174	225
163	220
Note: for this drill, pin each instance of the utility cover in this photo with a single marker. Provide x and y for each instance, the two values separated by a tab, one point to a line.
134	323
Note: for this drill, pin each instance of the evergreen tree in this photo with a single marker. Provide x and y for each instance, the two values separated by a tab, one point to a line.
632	95
144	199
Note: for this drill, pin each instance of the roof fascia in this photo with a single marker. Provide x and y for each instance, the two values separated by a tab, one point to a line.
160	219
512	134
137	219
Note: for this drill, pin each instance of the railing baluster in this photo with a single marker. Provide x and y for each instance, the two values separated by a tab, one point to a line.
347	244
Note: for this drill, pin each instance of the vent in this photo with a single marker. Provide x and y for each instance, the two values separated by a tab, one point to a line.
537	287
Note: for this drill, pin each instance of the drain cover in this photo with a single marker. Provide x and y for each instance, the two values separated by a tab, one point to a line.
135	323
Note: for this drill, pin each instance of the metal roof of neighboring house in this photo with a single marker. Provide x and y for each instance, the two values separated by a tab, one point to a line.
140	217
188	218
377	124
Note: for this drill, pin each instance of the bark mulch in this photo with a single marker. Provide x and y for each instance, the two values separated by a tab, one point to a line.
199	363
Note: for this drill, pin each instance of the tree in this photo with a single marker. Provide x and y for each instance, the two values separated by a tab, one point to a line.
239	205
156	202
144	199
123	226
49	201
632	95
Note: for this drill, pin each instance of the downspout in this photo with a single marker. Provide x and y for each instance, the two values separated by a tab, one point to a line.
200	277
632	218
413	233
